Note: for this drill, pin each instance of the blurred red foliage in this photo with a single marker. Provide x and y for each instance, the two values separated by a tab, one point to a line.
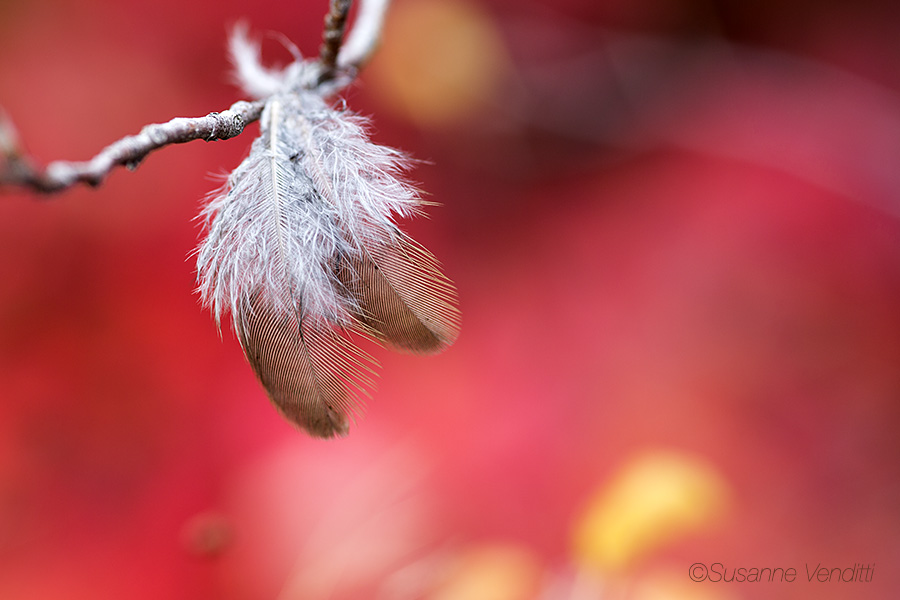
673	226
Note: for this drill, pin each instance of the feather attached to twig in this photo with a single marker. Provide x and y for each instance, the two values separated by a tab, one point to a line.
303	247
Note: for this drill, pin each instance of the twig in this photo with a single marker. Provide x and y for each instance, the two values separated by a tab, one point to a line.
332	36
128	151
17	168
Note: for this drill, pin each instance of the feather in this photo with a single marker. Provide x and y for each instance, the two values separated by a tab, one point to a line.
270	236
303	247
271	233
404	300
304	368
254	78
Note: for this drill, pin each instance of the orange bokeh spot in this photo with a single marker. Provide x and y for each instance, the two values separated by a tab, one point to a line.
440	61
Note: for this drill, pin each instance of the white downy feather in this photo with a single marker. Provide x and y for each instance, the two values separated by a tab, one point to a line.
303	245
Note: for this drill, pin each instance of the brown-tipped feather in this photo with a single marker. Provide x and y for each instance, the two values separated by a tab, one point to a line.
404	300
304	369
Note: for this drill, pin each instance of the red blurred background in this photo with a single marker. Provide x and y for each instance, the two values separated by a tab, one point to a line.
674	229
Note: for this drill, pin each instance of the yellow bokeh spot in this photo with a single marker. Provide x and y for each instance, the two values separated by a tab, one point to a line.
440	60
491	572
656	498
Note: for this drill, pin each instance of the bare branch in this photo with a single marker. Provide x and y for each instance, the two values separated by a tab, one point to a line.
335	57
18	169
365	35
332	37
